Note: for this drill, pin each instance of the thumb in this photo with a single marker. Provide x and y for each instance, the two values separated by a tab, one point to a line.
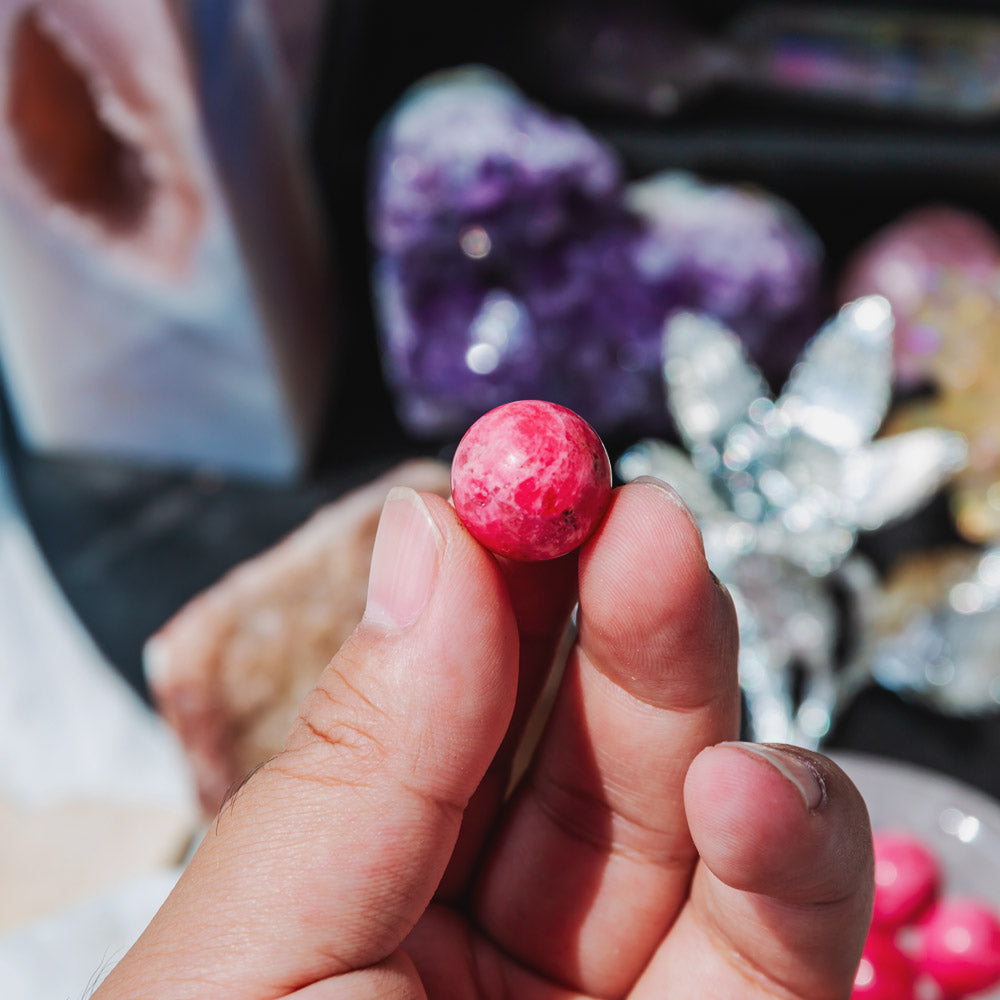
324	860
781	903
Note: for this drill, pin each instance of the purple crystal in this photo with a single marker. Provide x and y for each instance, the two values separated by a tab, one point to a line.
509	264
740	254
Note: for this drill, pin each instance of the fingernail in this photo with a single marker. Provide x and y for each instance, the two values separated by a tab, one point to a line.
801	772
678	500
405	560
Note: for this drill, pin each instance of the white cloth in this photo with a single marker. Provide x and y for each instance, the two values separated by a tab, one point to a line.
96	804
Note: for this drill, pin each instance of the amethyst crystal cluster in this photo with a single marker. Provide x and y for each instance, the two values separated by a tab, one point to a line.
739	255
512	261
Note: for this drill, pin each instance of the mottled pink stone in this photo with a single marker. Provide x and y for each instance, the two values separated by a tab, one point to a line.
531	480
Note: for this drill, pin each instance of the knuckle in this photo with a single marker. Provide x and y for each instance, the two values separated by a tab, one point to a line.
337	722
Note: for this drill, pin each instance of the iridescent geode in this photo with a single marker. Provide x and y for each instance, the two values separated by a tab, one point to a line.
907	261
512	262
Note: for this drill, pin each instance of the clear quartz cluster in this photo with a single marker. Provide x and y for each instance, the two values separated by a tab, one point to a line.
782	487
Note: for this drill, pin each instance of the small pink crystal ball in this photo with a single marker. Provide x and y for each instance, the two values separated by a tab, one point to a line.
907	875
531	480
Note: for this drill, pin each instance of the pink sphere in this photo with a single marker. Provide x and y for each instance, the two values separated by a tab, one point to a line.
884	972
960	946
907	875
531	480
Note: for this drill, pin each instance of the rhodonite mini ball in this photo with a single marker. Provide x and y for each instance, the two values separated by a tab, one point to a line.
531	480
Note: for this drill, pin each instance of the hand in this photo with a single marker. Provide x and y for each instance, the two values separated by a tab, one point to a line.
641	856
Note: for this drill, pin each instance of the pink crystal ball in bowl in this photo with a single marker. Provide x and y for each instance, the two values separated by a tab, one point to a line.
531	480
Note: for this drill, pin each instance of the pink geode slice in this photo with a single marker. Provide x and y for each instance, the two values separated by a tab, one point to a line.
531	480
102	124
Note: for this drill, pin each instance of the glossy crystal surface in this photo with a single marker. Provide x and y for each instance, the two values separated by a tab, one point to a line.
782	487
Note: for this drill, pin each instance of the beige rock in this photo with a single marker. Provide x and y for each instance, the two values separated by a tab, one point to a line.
229	670
59	854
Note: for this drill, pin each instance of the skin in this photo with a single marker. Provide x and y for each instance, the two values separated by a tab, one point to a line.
640	856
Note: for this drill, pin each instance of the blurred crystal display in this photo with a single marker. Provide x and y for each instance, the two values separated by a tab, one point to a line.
513	261
782	487
654	60
920	63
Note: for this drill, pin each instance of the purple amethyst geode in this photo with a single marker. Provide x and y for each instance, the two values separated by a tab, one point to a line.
511	261
738	253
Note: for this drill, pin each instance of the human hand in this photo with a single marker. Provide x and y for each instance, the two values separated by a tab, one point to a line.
641	855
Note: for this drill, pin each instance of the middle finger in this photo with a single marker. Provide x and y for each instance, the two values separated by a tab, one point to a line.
594	858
